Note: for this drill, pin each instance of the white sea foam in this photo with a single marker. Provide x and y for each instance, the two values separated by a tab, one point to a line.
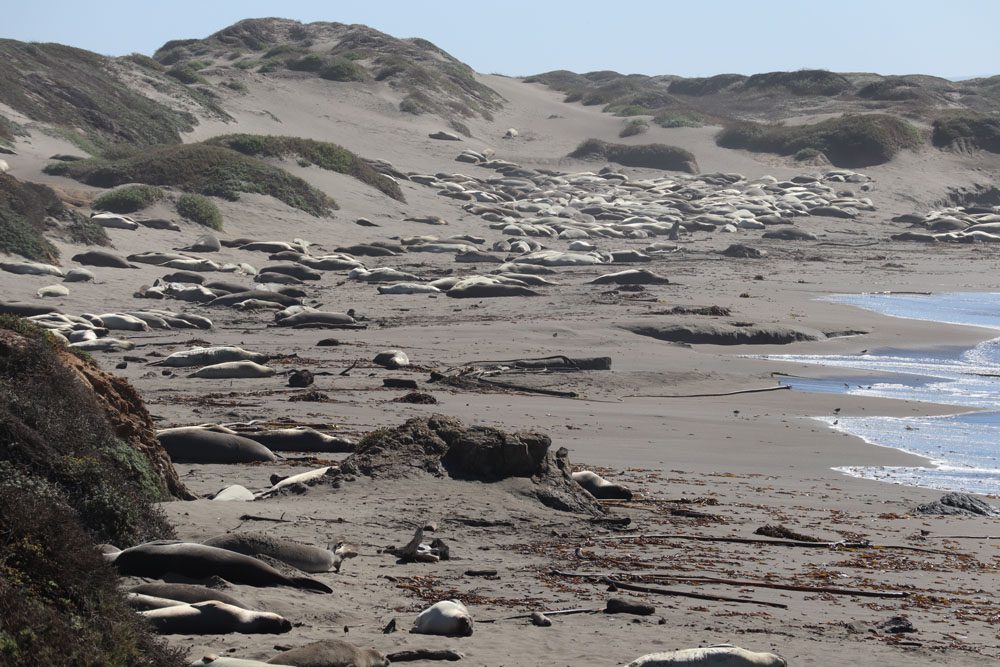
963	448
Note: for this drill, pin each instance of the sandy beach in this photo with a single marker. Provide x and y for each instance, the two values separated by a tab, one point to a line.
701	465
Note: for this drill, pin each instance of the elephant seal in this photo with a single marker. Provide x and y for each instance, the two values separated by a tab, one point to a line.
114	221
160	223
204	243
485	288
52	291
79	276
214	618
263	295
279	483
186	593
724	655
294	270
391	359
317	319
300	439
225	661
193	444
331	653
601	488
301	556
155	559
201	356
631	277
448	617
143	602
234	492
102	258
233	370
31	269
122	322
407	288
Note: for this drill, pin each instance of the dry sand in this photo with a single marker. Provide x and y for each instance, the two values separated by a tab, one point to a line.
745	460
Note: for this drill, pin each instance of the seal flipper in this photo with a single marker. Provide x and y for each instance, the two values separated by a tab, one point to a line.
310	584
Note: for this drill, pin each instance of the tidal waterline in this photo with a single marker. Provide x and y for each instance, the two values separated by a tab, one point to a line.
964	447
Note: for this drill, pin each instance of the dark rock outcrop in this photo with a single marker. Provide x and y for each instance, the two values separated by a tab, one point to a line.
958	504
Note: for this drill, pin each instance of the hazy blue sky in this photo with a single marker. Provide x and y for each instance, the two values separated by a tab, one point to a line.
952	38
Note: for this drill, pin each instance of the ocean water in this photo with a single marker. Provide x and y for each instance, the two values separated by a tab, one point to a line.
964	448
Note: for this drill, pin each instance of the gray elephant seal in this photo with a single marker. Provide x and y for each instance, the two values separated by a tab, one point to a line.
102	258
155	559
631	277
214	618
301	556
331	653
300	439
202	356
186	593
225	661
193	444
233	370
712	656
448	617
601	488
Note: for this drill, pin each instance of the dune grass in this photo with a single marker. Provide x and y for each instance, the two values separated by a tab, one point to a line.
323	154
202	168
701	86
23	209
802	82
981	129
634	127
680	118
652	156
848	141
128	199
200	209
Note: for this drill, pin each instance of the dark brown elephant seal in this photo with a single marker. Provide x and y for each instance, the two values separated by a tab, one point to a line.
305	557
194	444
156	559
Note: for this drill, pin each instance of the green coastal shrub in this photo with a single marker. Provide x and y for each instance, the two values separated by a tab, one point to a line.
983	130
202	168
848	141
634	127
128	199
342	69
200	209
651	156
323	154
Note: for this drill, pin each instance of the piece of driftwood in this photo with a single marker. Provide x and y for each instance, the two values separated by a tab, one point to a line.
687	594
845	544
747	583
557	362
347	370
760	390
424	654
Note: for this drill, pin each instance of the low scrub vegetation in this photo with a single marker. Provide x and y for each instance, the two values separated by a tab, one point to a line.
23	209
802	82
323	154
672	118
200	209
848	141
984	131
202	168
701	86
67	481
128	199
634	127
651	156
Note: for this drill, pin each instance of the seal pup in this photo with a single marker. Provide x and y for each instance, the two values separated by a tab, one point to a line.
331	653
448	617
601	488
723	655
214	618
301	556
279	483
155	559
233	492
